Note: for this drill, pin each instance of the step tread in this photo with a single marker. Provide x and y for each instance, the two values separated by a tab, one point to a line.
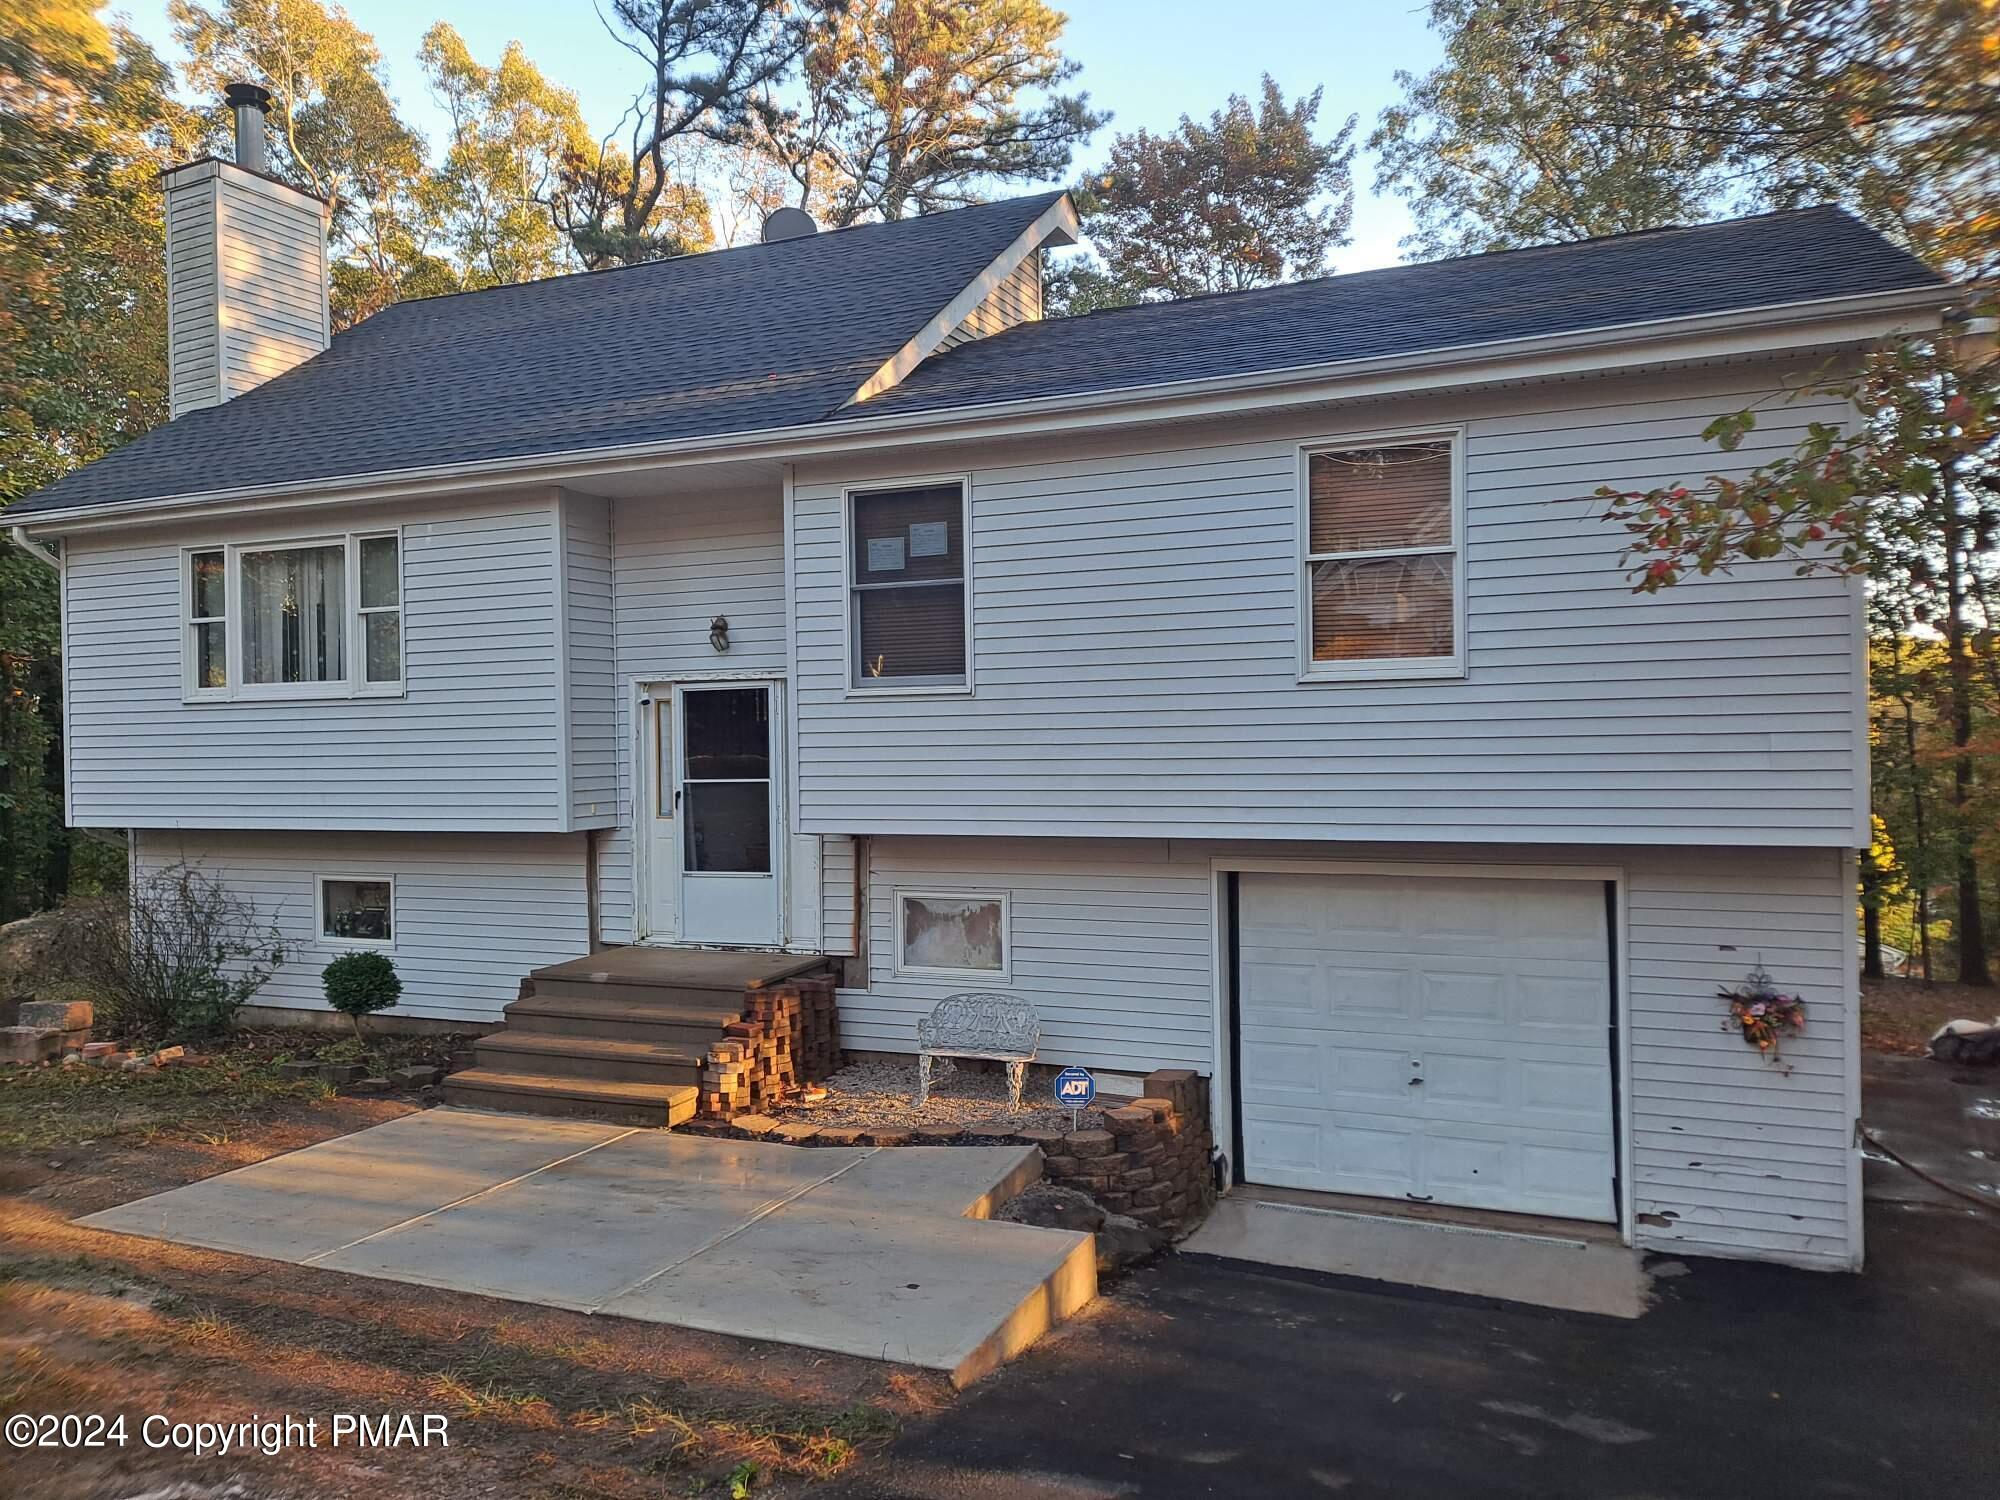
639	1012
610	1050
496	1080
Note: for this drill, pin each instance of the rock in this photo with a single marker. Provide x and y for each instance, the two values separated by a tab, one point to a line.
1123	1241
370	1086
413	1077
29	1044
1049	1207
796	1133
935	1135
24	954
339	1073
72	1059
134	1063
886	1135
838	1135
62	1015
756	1125
94	1050
303	1068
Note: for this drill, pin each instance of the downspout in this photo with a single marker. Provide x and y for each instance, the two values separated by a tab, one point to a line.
34	548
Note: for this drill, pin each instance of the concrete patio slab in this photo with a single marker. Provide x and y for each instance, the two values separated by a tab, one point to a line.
876	1253
310	1202
1590	1272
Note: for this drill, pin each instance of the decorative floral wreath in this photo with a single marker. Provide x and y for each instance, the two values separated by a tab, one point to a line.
1762	1013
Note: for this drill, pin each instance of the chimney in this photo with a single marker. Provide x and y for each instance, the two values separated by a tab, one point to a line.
246	268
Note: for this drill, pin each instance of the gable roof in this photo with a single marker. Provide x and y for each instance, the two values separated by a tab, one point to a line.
730	341
1802	255
781	336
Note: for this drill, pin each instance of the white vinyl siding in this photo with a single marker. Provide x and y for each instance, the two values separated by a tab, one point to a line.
679	562
1112	944
836	916
1018	299
246	282
473	742
1135	648
591	653
473	912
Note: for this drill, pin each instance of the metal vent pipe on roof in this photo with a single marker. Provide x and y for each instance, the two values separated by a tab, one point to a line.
252	102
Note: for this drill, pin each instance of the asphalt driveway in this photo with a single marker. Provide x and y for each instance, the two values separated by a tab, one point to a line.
1204	1379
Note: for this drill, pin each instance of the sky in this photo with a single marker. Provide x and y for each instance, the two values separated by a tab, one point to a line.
1147	61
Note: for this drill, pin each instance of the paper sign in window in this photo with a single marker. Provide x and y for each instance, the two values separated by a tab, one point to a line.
930	538
885	554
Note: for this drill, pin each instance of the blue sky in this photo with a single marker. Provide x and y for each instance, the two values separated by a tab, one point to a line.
1147	61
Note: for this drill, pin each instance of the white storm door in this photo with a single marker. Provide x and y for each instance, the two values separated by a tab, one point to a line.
726	806
658	829
1429	1038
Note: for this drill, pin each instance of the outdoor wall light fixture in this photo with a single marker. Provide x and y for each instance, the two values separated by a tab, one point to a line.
718	632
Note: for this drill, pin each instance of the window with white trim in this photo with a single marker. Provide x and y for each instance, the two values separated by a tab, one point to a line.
314	618
907	587
1381	585
357	911
956	934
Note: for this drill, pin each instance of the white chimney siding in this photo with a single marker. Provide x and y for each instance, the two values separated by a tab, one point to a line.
246	281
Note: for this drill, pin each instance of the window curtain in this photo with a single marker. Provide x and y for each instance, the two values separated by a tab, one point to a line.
295	615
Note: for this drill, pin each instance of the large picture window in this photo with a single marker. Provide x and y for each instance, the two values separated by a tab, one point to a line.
1381	584
908	587
288	619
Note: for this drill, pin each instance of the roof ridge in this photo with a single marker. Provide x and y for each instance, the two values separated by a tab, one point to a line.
817	237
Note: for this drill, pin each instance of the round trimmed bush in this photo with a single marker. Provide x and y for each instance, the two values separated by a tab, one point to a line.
359	984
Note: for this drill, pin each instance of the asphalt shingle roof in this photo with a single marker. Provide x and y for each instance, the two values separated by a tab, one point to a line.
732	341
781	335
1797	256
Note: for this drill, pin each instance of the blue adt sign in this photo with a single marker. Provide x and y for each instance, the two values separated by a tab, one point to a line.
1075	1089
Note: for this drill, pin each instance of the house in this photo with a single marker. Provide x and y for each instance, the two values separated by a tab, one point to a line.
1247	681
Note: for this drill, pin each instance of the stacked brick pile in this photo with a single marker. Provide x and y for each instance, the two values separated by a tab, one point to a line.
789	1035
1151	1159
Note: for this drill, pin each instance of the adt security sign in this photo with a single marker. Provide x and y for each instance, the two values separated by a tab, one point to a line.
1075	1090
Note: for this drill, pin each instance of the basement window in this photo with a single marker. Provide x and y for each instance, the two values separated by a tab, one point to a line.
1382	582
907	576
357	911
951	934
293	619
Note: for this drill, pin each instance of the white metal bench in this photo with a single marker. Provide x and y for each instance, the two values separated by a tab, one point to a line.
1000	1028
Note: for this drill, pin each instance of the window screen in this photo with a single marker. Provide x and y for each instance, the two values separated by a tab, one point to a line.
1381	560
908	552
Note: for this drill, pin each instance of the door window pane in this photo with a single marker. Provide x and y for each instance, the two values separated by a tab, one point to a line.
728	733
384	636
728	827
211	650
380	585
207	571
295	615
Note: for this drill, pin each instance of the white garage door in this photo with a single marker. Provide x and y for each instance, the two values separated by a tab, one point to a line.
1442	1040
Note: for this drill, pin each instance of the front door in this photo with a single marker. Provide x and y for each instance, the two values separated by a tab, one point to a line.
726	811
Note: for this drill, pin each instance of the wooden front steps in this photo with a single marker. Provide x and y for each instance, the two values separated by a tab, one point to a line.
619	1035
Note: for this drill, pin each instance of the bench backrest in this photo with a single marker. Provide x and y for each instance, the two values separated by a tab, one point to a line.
981	1026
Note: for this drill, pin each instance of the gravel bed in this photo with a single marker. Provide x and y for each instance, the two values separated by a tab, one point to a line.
876	1093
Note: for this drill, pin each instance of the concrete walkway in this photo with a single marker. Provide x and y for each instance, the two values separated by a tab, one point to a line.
876	1253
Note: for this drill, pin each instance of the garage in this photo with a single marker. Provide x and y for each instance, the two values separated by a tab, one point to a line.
1431	1038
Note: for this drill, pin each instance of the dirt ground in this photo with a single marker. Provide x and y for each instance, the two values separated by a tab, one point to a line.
1899	1015
539	1403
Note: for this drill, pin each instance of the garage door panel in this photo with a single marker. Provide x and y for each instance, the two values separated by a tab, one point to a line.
1458	1041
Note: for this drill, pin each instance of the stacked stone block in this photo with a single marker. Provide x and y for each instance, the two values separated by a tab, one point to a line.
788	1036
1152	1159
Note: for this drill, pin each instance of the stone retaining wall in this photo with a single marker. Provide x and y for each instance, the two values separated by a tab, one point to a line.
1151	1159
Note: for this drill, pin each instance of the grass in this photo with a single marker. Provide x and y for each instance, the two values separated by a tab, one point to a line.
42	1108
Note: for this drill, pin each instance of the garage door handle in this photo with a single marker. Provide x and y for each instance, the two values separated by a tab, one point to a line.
1416	1083
1418	1197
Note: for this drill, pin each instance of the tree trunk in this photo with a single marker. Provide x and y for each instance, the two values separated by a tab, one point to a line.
1871	942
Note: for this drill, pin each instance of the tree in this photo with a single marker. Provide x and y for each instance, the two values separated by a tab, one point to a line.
709	65
915	105
84	125
1550	121
336	134
1910	497
1509	141
1249	198
511	132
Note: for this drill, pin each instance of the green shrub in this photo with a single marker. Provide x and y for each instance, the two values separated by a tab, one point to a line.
359	984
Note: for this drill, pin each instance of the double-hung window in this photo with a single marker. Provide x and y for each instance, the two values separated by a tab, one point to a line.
1382	583
907	587
319	618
